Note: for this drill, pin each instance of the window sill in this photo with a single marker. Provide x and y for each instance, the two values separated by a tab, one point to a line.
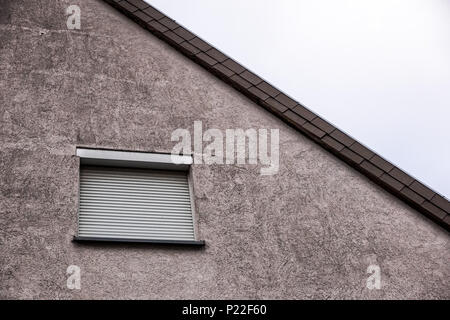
196	243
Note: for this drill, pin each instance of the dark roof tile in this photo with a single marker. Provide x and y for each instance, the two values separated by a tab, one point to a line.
441	202
423	190
313	130
274	104
258	93
233	65
199	43
207	59
216	54
381	163
333	143
371	168
401	176
169	23
251	77
241	82
152	12
224	70
127	6
185	34
157	26
351	155
447	220
441	214
293	117
144	17
305	113
139	4
342	137
288	102
397	185
412	195
189	48
269	89
323	125
362	151
172	36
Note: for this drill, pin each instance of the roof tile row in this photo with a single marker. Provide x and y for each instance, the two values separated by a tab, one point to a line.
366	161
140	4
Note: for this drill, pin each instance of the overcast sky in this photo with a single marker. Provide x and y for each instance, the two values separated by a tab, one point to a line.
379	70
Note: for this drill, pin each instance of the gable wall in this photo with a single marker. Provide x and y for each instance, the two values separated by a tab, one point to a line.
309	231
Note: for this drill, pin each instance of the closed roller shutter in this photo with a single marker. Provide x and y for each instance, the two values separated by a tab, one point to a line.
134	204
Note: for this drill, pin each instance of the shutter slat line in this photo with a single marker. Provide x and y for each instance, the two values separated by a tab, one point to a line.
145	198
131	179
134	187
116	200
125	235
133	236
140	211
137	222
140	229
134	204
154	184
137	212
156	206
135	194
133	174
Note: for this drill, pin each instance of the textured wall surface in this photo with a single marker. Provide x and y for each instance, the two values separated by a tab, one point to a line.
309	231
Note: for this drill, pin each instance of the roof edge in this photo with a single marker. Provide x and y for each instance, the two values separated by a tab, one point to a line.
382	172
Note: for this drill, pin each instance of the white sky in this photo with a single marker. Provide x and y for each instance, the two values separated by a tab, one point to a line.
379	70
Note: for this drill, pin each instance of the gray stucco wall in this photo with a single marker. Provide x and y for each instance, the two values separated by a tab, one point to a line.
310	231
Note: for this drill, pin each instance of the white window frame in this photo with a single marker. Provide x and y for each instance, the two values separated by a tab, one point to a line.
142	160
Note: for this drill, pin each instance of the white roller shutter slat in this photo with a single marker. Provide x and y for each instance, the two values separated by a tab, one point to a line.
134	204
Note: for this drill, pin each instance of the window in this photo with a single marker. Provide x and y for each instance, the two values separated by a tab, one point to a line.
133	196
